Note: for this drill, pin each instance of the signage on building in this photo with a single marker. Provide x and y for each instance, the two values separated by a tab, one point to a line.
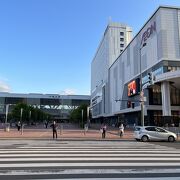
149	31
145	79
133	87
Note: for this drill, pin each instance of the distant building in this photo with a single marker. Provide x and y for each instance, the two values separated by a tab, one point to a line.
115	39
59	106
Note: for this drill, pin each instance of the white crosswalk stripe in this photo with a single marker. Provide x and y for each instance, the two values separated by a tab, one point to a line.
81	160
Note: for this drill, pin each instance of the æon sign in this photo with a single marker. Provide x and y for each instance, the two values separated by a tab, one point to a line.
132	88
148	32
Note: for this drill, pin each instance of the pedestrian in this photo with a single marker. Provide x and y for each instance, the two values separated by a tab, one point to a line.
46	124
18	125
121	130
103	131
54	127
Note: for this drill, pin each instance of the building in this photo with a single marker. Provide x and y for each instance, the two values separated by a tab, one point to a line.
147	70
59	106
115	39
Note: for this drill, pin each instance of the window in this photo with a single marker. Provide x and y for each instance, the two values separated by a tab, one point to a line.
173	68
160	130
121	33
150	129
175	96
155	95
121	39
121	45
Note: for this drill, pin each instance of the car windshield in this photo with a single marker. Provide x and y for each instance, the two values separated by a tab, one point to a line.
137	128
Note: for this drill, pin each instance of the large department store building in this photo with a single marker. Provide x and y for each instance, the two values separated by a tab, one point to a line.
154	52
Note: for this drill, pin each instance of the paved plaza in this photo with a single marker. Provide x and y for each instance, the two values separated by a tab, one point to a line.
63	134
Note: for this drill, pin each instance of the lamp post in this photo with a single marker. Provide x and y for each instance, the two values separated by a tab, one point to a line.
141	89
82	113
62	104
29	115
21	121
7	109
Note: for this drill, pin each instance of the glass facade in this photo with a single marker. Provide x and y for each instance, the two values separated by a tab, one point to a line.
58	107
155	116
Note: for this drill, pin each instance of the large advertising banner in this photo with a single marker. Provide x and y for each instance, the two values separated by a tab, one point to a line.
133	87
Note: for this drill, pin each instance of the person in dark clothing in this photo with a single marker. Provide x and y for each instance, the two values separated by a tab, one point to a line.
54	127
18	125
46	124
104	131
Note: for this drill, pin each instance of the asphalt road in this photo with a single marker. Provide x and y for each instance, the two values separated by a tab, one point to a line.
168	144
36	159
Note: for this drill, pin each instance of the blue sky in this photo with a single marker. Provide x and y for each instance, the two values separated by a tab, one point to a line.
46	46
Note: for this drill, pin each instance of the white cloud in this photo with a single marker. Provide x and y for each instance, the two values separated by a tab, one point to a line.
67	92
4	87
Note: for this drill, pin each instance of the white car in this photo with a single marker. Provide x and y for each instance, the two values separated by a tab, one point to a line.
148	133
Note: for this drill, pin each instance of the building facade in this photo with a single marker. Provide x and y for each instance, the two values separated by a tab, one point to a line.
58	106
148	70
115	39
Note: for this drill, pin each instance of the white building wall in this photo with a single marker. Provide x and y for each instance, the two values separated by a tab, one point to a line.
112	44
162	44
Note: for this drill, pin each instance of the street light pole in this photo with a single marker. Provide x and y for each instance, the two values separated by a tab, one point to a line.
7	109
141	89
29	115
21	121
82	112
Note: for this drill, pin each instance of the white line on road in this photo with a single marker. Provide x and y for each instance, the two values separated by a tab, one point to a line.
90	159
62	165
89	155
87	151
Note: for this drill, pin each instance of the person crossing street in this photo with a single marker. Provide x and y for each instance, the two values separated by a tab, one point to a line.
54	127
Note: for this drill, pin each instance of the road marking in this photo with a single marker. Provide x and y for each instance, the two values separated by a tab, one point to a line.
89	155
87	151
90	159
62	165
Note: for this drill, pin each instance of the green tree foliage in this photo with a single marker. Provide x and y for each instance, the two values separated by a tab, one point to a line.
76	115
29	114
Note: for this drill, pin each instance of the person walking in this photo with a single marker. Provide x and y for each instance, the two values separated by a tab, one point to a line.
104	131
46	124
54	127
121	130
18	125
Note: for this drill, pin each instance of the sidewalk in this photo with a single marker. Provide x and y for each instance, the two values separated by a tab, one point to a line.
64	135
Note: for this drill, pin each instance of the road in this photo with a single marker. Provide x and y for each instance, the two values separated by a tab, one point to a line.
55	159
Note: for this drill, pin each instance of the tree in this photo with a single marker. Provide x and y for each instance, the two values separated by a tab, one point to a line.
28	113
76	115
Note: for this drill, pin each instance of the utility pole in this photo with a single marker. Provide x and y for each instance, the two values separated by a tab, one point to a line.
82	113
141	89
21	121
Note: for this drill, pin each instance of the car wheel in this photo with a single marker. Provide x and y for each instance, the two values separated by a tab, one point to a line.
144	139
171	139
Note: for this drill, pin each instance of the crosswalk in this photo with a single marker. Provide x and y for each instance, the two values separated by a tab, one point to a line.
90	160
